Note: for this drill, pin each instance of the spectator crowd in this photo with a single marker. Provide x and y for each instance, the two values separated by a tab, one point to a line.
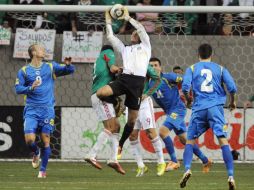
154	23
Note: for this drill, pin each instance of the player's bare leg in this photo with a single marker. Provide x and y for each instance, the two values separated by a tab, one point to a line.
30	141
104	92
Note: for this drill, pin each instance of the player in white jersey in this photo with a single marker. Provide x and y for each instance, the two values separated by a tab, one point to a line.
146	122
135	63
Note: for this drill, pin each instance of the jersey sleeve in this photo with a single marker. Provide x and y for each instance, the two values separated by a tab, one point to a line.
20	87
109	57
228	81
62	69
155	77
187	80
144	38
173	77
116	43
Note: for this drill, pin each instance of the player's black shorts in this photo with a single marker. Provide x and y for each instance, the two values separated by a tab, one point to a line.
130	85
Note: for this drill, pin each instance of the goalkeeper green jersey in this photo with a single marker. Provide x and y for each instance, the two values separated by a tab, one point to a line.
101	71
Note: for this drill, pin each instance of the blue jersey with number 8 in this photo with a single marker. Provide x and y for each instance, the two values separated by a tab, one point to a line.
207	81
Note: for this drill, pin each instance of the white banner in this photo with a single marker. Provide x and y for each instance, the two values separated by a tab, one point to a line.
80	130
26	37
83	48
5	36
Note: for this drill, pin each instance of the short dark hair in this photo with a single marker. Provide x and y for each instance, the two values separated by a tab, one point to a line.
155	59
177	67
30	50
205	51
105	47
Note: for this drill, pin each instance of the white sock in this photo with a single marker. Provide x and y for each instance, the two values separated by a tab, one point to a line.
101	140
157	145
136	152
114	138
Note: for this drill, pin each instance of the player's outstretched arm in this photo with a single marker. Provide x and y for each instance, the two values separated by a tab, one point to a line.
63	69
116	43
139	27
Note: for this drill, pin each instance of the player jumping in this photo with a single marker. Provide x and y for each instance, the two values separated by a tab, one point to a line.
103	71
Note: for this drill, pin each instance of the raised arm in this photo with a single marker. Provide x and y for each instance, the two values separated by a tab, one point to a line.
116	43
63	69
139	27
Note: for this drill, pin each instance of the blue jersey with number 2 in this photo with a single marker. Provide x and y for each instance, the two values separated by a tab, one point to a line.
206	80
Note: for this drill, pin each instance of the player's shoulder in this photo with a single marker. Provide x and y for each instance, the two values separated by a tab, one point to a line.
23	69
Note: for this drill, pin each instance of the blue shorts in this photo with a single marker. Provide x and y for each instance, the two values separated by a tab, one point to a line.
38	119
175	121
201	121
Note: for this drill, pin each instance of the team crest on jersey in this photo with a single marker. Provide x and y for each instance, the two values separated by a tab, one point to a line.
37	72
173	115
225	128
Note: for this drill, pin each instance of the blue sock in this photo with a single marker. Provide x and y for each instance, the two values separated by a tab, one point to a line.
34	148
228	159
170	148
200	154
187	156
46	151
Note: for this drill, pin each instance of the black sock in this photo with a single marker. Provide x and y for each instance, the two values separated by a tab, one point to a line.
110	99
126	133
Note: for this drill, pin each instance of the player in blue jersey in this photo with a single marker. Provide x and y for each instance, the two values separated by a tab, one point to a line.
168	98
207	80
36	82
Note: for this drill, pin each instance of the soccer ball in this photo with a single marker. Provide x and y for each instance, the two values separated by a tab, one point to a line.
116	11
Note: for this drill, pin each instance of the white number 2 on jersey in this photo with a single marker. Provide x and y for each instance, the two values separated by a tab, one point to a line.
205	86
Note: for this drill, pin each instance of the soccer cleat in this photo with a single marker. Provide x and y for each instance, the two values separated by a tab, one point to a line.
231	183
161	169
117	167
141	171
94	163
185	178
119	153
207	166
42	174
172	166
36	161
119	107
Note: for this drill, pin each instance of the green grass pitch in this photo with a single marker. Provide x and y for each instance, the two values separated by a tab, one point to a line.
68	176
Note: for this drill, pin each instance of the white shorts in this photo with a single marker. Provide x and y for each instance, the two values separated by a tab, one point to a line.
145	118
104	110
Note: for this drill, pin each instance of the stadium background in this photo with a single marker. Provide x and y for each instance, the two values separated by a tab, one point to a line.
76	124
